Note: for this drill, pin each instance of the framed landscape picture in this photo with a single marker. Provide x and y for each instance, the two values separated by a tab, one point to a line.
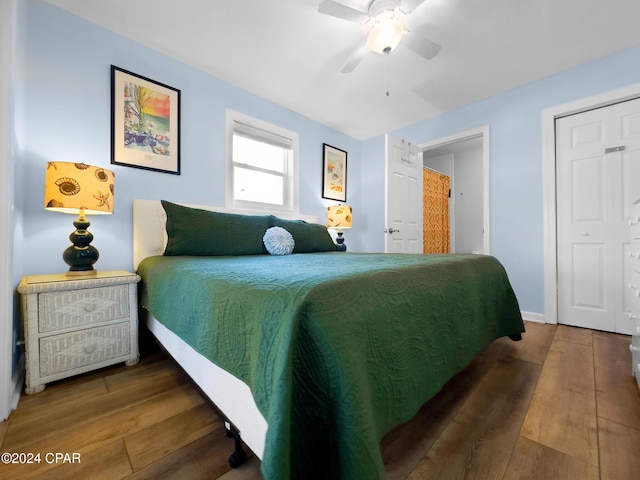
145	123
334	173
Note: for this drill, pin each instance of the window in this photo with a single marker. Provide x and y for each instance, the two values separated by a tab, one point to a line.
261	165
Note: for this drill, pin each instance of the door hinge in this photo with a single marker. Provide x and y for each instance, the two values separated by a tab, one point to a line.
614	149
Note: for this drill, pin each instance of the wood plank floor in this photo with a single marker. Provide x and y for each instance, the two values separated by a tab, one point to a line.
560	404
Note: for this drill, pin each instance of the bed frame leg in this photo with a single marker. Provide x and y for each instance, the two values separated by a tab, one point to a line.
239	456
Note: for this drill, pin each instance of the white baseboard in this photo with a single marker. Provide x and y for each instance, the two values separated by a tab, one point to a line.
18	382
533	317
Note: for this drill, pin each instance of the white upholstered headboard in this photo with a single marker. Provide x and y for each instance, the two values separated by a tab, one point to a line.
150	219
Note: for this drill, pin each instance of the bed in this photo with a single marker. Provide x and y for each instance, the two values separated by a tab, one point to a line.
312	356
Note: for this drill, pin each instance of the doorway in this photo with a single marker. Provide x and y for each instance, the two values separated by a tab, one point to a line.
464	158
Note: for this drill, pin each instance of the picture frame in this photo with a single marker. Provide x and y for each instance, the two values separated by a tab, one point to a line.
145	123
334	173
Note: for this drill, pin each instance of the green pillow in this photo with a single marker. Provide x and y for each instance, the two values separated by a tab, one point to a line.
192	231
309	237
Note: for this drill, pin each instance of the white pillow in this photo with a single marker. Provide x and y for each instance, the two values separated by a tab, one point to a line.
278	241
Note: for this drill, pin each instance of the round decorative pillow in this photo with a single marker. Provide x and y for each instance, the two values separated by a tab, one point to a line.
278	241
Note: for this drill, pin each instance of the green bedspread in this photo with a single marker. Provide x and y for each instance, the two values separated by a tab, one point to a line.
337	348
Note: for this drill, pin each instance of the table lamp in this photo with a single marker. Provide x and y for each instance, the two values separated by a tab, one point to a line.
81	190
339	217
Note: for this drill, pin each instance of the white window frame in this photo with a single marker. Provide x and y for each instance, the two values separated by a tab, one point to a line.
234	120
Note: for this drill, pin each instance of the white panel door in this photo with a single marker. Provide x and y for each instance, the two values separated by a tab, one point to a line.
598	174
403	197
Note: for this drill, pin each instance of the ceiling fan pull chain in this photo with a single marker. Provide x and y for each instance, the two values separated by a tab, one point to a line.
387	92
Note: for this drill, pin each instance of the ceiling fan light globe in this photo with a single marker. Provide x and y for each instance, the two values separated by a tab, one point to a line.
385	36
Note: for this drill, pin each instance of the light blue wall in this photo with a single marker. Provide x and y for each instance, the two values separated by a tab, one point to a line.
64	97
64	101
516	199
373	194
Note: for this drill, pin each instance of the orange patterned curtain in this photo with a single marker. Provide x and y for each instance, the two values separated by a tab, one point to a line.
436	212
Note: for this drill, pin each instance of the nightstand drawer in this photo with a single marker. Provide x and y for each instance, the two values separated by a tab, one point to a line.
70	351
83	307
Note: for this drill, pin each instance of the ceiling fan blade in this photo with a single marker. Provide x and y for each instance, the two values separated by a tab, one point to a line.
355	59
420	45
408	6
335	9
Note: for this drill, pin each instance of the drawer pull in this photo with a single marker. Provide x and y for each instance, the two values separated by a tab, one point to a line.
633	223
90	348
633	348
89	307
634	255
634	289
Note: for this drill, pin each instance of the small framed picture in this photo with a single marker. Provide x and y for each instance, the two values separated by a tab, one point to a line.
145	123
334	173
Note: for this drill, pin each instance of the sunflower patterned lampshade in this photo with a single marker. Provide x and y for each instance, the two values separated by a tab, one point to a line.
339	217
81	190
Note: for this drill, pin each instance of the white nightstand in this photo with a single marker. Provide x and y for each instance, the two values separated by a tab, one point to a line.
76	324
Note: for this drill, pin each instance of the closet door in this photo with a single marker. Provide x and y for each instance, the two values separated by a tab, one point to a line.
598	175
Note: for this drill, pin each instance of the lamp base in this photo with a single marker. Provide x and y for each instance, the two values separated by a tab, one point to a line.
81	255
340	241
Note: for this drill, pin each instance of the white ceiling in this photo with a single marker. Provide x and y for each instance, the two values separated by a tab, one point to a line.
287	52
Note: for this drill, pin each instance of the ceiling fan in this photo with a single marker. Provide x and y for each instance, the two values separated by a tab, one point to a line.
387	28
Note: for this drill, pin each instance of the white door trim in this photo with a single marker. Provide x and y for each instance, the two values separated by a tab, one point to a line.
549	184
483	132
7	62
